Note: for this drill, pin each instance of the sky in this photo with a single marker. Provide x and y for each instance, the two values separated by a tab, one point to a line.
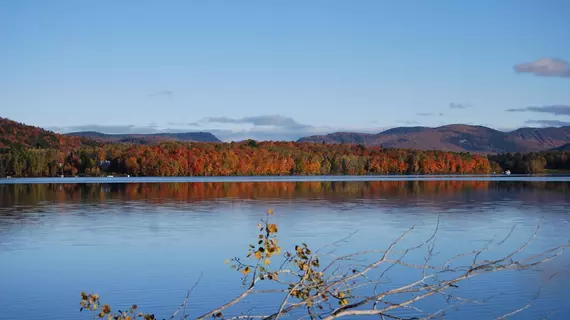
279	70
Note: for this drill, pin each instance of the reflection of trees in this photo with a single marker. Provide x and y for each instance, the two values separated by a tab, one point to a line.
36	194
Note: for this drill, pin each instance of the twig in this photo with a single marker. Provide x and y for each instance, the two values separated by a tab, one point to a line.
184	304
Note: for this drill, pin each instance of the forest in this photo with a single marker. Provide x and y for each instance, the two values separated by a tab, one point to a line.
253	158
248	158
533	162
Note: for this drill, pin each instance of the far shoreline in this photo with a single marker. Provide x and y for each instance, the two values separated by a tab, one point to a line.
316	178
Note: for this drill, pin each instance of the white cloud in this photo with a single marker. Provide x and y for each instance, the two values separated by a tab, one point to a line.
557	110
163	94
454	105
548	123
545	67
263	120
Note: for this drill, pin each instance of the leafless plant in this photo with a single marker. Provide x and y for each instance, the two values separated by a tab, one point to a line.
355	284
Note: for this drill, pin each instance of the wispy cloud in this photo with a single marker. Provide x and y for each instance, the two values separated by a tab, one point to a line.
265	127
262	127
429	114
408	122
163	94
184	124
454	105
557	110
548	123
263	120
545	67
272	127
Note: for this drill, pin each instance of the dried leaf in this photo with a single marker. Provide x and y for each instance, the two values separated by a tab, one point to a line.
272	228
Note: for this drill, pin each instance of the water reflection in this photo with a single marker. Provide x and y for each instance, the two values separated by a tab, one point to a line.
31	195
148	242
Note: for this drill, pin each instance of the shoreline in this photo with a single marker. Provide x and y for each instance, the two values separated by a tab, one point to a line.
340	178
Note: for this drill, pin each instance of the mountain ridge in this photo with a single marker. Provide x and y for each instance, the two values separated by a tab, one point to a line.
148	138
455	137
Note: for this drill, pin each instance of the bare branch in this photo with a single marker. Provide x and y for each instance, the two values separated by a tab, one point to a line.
184	304
350	285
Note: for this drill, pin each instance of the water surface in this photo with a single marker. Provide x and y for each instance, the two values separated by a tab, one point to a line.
148	242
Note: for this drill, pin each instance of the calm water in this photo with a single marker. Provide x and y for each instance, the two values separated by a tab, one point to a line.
148	242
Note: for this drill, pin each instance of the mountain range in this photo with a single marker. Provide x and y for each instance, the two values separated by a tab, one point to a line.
147	138
457	137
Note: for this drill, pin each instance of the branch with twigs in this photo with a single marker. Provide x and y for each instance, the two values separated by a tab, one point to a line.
346	287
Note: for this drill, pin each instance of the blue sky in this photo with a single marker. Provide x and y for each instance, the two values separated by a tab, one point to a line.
283	69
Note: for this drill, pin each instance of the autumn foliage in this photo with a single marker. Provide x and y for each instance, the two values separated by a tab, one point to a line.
15	135
236	159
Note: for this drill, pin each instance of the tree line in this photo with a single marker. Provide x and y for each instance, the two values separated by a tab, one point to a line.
533	162
249	158
252	158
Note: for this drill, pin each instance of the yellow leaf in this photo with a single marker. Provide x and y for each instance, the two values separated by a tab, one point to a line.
258	255
246	270
227	261
270	211
267	261
272	228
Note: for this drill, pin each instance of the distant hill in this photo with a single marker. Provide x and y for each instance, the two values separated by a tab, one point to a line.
18	135
456	137
148	138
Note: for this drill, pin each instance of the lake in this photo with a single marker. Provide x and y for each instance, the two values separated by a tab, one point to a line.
148	240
